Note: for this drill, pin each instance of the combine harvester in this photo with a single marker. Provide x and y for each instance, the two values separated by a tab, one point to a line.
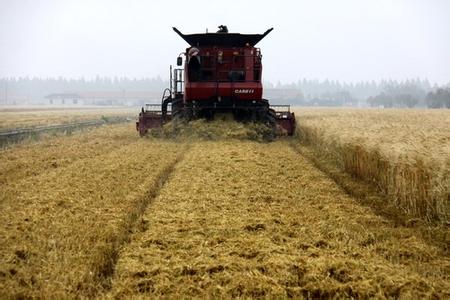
222	74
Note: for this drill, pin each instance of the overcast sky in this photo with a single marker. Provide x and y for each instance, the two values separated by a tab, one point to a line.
346	40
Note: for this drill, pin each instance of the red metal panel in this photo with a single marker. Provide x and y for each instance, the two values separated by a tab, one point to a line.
220	62
148	120
247	90
239	90
249	60
287	123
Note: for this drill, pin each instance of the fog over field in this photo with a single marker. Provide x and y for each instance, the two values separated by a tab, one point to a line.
346	40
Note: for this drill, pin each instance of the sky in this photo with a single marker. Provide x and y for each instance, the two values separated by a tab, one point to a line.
345	40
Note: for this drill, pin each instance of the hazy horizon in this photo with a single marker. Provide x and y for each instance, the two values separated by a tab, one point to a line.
349	40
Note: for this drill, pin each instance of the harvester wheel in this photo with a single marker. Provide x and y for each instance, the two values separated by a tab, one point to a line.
177	110
188	112
267	116
142	133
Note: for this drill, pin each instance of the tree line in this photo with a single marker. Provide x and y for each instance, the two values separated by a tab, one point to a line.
34	90
385	93
410	96
308	92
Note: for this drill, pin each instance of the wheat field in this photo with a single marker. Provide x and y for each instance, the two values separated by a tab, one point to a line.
239	233
106	214
404	153
28	117
67	203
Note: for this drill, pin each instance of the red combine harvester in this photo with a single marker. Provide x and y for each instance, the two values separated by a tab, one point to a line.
222	73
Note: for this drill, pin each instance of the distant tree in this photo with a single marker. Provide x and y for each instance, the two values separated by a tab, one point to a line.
408	100
383	99
438	99
404	94
432	101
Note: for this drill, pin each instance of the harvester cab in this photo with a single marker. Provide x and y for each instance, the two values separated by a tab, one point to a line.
222	73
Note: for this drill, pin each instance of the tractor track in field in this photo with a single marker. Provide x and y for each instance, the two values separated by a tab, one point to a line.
105	272
368	195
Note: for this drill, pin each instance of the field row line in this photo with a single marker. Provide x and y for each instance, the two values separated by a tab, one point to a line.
105	272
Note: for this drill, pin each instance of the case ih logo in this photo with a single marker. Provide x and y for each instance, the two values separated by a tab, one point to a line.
244	91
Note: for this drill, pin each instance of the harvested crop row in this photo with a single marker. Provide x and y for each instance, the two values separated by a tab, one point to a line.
32	159
246	219
32	118
59	232
406	154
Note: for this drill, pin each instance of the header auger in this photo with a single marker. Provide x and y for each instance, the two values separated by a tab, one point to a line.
221	74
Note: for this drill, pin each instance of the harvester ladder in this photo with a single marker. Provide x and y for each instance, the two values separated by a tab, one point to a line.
178	82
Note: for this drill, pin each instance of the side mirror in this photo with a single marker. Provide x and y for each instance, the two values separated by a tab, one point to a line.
179	61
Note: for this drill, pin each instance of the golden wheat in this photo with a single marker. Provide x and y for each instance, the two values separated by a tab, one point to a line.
107	214
223	127
38	117
32	159
62	223
405	153
245	219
